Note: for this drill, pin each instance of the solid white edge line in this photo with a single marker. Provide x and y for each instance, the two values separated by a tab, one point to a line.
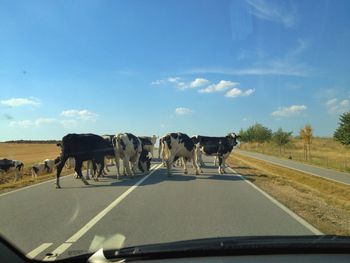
280	205
296	169
38	250
75	237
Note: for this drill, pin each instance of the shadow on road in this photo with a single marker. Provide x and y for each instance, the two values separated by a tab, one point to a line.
159	176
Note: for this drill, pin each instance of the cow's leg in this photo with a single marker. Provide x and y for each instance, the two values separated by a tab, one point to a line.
89	168
78	165
224	164
59	167
184	165
196	161
100	171
94	167
215	160
116	157
169	163
220	170
33	174
16	175
197	168
101	164
135	165
126	164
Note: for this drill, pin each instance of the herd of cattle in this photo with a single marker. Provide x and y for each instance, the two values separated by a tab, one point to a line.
135	152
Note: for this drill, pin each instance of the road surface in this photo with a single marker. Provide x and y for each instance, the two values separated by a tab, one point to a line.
332	175
146	209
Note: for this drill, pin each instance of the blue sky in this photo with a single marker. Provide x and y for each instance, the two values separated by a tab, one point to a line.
151	67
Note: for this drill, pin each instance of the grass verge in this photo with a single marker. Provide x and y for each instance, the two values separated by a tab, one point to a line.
28	180
323	203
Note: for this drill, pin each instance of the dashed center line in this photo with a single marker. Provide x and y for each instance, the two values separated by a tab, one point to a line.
38	250
63	247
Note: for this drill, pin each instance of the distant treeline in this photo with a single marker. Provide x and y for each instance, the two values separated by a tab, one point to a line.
34	141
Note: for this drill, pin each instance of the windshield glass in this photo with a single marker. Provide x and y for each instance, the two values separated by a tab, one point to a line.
126	123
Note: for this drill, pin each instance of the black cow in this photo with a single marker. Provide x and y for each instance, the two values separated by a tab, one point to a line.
215	146
83	147
175	146
7	166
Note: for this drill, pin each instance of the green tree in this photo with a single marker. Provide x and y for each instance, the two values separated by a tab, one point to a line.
281	138
342	133
259	134
244	136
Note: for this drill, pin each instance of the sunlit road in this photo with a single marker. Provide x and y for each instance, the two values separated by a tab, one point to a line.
71	220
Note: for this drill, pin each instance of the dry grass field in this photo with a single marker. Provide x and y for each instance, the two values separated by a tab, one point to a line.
323	203
28	154
325	152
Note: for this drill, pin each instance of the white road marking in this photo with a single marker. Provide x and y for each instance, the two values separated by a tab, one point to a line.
296	169
38	250
280	205
45	182
58	251
98	217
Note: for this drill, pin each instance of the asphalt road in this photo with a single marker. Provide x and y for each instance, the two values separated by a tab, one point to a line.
147	209
329	174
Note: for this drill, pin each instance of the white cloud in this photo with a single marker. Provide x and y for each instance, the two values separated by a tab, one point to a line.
235	92
183	111
198	82
180	84
16	102
32	123
274	11
173	79
80	114
336	106
289	111
21	124
273	67
158	82
221	86
44	121
248	92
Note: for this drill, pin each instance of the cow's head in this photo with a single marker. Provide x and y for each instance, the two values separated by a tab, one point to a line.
233	138
144	162
154	139
19	165
195	139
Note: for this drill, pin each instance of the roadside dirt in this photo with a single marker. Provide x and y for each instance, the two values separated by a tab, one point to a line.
324	204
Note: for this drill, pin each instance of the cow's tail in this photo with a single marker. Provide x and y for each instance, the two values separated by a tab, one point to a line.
166	146
160	148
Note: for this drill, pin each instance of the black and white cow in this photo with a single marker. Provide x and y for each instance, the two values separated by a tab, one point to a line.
39	169
179	145
215	146
51	163
128	147
83	147
148	143
110	158
7	166
161	153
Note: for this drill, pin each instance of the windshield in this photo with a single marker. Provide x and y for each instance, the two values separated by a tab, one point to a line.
127	123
